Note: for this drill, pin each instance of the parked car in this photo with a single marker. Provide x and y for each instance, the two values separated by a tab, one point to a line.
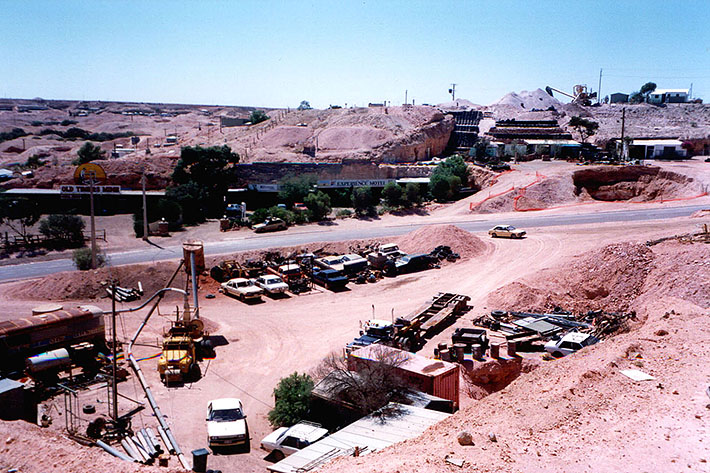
271	284
288	440
413	263
569	343
507	231
242	288
329	278
270	225
226	423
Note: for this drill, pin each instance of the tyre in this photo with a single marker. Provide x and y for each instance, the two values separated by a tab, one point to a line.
494	235
242	298
277	455
558	354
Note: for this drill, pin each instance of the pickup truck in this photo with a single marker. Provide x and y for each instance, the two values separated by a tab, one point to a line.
288	440
227	424
374	331
329	278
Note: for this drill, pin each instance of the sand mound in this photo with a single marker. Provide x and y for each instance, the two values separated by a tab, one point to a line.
427	238
286	136
350	138
529	99
458	104
610	278
59	454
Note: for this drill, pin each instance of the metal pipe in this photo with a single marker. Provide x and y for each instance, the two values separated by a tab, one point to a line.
139	448
193	272
154	440
165	439
148	444
141	379
113	451
131	451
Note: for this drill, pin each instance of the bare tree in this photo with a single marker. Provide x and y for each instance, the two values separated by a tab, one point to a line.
367	385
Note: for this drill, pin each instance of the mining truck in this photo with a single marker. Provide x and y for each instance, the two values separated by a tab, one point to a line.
183	344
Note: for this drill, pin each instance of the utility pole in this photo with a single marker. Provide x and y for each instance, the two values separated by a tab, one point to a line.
145	208
114	391
599	90
405	98
452	91
623	129
92	175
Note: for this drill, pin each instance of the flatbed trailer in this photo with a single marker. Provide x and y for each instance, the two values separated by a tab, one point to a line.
425	321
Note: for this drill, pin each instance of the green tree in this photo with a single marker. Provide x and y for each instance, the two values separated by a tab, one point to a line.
584	127
201	178
392	194
454	165
19	214
82	259
363	201
647	88
65	230
480	148
412	195
291	400
166	209
258	116
295	188
305	105
319	205
444	186
636	97
88	152
34	162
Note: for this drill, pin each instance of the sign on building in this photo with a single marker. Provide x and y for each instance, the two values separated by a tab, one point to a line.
345	183
86	190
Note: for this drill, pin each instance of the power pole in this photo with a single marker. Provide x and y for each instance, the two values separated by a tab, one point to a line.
405	98
145	208
452	91
599	90
623	127
114	391
93	226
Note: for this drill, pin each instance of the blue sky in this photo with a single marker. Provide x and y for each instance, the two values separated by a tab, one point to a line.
277	53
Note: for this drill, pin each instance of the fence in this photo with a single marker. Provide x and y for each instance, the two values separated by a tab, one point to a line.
11	243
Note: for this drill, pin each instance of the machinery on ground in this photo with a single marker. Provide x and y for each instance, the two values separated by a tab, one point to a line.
581	95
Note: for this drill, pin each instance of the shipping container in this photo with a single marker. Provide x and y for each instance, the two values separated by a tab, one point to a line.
434	377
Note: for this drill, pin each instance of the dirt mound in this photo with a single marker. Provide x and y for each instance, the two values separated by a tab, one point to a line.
427	238
633	183
344	138
20	450
527	100
610	278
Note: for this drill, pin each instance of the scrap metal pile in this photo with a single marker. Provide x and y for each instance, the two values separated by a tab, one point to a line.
531	327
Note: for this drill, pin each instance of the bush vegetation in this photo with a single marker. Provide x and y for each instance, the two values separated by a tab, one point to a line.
291	400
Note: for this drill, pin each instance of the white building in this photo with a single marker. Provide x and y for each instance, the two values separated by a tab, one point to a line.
669	96
650	148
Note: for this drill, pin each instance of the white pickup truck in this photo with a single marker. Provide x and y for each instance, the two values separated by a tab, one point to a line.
227	424
287	440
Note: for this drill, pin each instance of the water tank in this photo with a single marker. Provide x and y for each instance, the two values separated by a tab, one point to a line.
55	359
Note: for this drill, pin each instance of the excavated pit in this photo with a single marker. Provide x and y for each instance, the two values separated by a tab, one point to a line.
633	183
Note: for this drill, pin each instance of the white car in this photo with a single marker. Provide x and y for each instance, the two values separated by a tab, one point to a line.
271	284
287	440
507	231
226	423
242	288
570	343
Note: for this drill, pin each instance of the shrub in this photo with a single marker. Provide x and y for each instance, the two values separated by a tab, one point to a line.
291	400
87	153
295	189
412	195
65	230
318	204
82	259
34	162
68	122
258	116
344	213
363	202
392	194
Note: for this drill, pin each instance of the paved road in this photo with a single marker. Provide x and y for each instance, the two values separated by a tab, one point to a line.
293	238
